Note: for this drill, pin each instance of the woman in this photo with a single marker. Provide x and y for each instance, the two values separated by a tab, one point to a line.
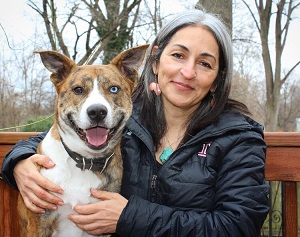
193	161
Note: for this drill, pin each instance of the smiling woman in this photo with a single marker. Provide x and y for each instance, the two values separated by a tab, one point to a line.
194	67
186	73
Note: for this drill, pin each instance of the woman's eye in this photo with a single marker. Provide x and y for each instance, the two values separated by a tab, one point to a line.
205	64
114	89
78	90
177	55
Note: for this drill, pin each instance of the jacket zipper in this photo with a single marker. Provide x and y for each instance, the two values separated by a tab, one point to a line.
153	187
154	176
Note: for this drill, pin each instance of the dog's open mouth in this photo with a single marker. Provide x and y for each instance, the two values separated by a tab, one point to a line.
97	136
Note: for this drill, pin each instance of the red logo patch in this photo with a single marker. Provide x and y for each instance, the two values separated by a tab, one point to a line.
204	149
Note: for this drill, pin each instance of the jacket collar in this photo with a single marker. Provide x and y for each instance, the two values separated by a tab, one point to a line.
228	121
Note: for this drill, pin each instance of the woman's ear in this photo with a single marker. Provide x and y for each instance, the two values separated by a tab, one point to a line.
213	88
155	63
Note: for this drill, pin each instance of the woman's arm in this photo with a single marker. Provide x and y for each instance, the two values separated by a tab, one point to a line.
21	168
20	151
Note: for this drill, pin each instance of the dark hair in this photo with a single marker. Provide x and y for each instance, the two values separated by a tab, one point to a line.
152	113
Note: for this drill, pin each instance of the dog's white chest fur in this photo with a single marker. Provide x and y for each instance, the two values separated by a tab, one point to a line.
75	183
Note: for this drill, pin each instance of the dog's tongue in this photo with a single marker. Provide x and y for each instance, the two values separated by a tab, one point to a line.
96	136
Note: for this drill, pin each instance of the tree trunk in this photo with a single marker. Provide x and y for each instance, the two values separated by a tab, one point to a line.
223	8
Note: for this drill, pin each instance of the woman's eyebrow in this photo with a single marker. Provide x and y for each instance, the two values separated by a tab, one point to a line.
204	54
208	55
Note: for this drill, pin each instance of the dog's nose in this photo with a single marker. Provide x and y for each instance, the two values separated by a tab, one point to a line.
97	112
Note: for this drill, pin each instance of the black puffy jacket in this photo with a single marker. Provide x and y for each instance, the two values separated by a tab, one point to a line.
211	186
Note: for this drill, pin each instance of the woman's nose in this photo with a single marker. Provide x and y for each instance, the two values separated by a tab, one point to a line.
188	71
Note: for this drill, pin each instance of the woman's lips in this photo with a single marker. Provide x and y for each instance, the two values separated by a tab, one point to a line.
182	86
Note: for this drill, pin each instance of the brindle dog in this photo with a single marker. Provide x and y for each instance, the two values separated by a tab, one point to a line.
92	106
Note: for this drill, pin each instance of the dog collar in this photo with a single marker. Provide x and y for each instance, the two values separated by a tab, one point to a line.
95	164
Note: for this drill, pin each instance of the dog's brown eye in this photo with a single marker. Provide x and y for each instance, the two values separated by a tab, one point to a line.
78	90
114	89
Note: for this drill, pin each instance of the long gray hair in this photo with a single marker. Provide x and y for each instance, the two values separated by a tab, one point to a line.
152	108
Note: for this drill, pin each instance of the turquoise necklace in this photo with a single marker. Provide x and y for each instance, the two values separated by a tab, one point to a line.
164	156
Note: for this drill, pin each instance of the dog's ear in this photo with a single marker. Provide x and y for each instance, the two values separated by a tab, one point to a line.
130	60
59	64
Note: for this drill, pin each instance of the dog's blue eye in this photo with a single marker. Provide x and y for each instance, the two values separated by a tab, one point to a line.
78	90
114	89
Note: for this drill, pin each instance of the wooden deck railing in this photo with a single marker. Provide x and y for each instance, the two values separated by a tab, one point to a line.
9	225
282	164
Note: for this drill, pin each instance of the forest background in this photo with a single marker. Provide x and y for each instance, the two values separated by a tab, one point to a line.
95	31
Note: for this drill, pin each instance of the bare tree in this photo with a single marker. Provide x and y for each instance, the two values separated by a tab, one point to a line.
155	15
106	31
7	96
250	92
273	72
289	106
24	90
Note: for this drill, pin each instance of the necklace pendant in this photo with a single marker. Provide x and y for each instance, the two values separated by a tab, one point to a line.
165	154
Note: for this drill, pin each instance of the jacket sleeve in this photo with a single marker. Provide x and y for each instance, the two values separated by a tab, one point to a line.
22	150
240	201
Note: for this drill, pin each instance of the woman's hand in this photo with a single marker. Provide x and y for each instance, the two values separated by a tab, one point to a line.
101	217
34	187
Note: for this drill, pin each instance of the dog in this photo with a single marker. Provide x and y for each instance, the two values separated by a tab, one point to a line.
92	106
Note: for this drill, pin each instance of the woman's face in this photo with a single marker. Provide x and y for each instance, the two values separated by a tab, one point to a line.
187	68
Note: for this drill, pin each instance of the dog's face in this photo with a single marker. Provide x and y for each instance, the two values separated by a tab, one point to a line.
94	104
93	101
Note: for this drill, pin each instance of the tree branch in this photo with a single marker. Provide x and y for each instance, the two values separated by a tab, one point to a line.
58	33
252	14
289	72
